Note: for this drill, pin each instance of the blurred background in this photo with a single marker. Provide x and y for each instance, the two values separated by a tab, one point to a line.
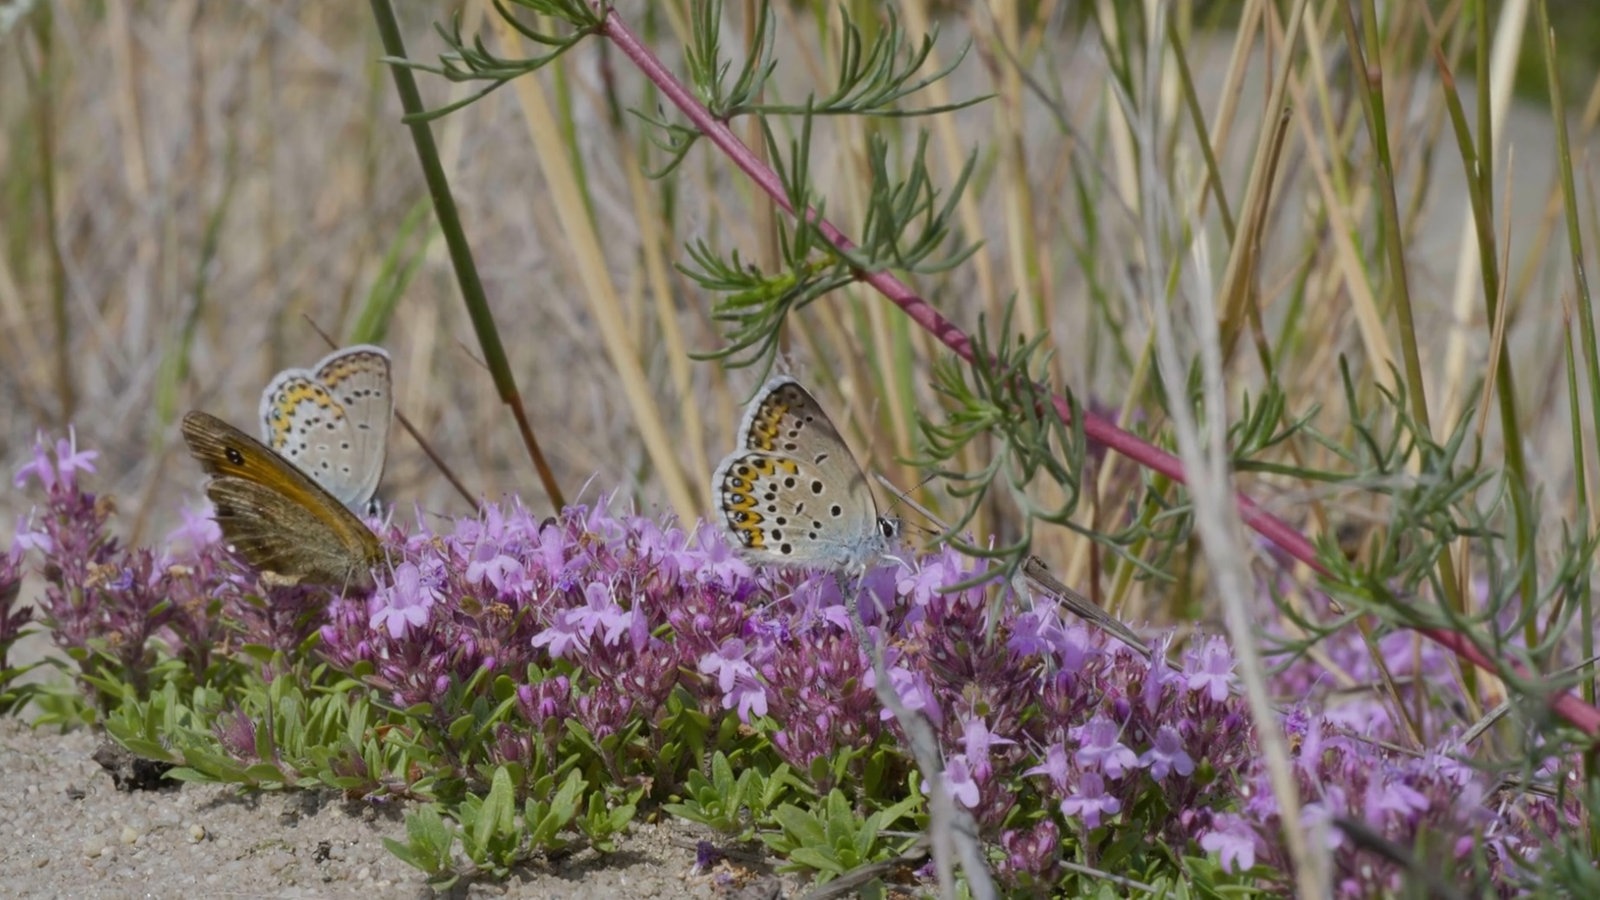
183	185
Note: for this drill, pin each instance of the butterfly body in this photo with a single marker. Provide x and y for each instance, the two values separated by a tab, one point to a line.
792	494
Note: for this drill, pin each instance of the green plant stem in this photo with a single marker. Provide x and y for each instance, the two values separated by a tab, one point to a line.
444	205
1569	199
42	81
1376	114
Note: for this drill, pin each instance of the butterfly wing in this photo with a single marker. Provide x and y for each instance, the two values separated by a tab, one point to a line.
333	423
279	520
794	495
361	381
782	414
279	536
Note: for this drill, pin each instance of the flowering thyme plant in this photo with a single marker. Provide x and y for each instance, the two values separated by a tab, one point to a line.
548	675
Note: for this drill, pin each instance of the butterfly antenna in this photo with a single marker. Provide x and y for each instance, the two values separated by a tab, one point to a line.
906	498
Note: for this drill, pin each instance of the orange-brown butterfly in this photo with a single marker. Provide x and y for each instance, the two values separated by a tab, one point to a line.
279	520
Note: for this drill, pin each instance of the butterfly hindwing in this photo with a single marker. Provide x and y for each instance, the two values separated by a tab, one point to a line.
333	422
275	516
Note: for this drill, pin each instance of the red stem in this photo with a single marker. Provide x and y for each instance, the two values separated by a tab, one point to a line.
1100	430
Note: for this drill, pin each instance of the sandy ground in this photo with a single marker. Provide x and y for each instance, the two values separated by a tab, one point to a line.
65	830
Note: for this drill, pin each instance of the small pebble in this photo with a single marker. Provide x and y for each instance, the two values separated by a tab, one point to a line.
364	874
92	848
40	862
197	833
130	835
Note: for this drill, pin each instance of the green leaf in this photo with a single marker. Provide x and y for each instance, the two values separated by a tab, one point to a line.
498	814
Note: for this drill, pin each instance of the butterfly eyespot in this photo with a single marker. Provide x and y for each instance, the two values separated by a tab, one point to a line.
789	482
777	535
234	456
836	510
816	486
783	520
785	549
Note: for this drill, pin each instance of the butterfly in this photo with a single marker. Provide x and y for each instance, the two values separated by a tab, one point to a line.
792	494
276	517
333	421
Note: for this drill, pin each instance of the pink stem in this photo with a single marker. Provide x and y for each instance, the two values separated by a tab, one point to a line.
1098	429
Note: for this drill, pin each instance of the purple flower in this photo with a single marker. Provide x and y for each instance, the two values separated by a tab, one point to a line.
958	781
748	697
667	548
1056	767
198	532
976	739
1393	796
563	635
922	583
1167	755
1210	670
1039	632
1157	676
1231	838
575	627
1034	852
403	605
31	538
1320	814
602	612
504	572
719	563
728	664
1100	745
69	461
913	691
1090	801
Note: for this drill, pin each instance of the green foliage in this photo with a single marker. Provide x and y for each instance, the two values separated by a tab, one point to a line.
1002	396
263	736
732	805
833	838
14	692
907	228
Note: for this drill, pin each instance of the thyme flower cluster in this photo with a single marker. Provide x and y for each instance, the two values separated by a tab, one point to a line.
1057	740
